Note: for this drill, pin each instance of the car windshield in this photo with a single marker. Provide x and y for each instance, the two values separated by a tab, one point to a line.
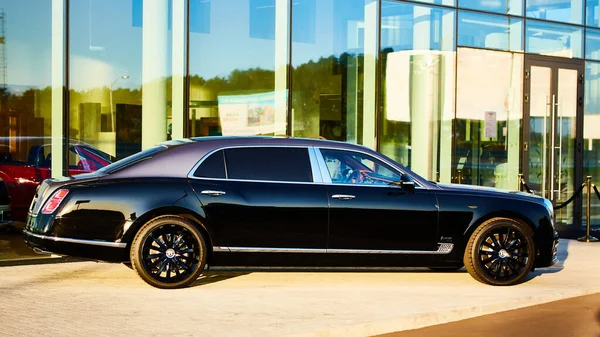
132	160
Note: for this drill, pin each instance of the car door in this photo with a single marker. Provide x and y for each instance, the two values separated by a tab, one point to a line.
369	210
263	197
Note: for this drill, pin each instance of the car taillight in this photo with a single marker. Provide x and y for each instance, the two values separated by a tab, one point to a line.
54	201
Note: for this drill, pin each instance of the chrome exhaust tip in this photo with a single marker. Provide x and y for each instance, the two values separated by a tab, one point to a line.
41	251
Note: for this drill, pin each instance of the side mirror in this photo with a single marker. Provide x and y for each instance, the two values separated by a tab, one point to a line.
408	186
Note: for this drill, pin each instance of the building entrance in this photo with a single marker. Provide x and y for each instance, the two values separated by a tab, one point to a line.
552	131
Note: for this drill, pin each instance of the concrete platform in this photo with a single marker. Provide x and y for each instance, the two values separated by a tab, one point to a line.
87	298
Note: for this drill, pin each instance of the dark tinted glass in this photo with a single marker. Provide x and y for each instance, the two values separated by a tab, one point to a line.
212	167
275	164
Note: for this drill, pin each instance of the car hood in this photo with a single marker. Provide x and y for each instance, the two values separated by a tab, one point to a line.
490	191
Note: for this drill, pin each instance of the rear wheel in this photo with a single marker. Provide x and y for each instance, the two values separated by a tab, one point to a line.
500	252
168	252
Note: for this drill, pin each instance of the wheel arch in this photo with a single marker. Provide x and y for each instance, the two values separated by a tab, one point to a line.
516	216
195	218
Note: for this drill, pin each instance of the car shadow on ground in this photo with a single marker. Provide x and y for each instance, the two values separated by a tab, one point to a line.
213	277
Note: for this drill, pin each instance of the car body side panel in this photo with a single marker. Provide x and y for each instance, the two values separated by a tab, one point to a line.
382	218
265	214
461	213
108	210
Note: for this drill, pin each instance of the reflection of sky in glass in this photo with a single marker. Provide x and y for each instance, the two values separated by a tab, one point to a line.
568	11
225	35
27	29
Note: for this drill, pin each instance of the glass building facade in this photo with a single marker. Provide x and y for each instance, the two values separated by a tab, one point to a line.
460	91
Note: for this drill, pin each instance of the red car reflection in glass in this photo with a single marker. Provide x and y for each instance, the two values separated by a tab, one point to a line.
26	161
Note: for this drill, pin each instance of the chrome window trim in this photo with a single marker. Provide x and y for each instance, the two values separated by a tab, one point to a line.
190	174
443	249
79	241
322	159
314	166
323	167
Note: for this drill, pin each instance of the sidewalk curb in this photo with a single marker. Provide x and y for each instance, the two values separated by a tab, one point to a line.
422	320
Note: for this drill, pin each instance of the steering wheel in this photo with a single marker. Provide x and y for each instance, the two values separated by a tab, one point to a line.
355	177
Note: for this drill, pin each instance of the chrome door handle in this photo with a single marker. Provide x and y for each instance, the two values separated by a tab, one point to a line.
343	196
213	193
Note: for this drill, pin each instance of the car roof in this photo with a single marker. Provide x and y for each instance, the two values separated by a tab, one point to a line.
182	155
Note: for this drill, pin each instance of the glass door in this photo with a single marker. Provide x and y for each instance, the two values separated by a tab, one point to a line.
553	107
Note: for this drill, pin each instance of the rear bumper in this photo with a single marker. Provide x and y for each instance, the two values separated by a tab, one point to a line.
85	249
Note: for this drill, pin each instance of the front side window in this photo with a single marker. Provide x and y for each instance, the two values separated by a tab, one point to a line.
269	163
346	167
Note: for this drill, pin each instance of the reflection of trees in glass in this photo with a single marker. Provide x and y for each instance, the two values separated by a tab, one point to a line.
31	111
310	80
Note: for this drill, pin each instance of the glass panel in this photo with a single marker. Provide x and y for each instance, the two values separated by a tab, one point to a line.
539	128
591	136
568	11
554	39
489	31
119	72
25	113
354	168
592	13
514	7
417	87
488	128
592	44
272	164
564	143
328	75
212	167
439	2
233	73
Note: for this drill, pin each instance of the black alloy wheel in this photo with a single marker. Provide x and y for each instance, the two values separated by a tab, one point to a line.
168	252
500	252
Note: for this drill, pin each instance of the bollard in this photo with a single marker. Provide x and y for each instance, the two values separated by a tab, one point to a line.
588	237
520	189
459	177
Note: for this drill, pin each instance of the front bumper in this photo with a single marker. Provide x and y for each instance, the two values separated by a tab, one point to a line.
548	253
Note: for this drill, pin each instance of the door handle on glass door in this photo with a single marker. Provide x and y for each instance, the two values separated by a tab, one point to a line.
213	193
343	196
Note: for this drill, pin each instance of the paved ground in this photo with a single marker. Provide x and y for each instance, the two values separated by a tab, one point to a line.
574	317
94	299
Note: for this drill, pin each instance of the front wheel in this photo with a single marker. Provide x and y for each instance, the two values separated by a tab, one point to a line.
168	252
500	252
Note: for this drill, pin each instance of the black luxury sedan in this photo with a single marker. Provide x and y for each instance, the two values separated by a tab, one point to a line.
170	210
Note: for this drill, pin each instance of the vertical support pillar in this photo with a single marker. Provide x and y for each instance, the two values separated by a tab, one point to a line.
58	86
154	72
424	93
178	68
282	42
370	73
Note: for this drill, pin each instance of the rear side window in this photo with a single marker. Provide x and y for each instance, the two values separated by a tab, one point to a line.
269	163
212	167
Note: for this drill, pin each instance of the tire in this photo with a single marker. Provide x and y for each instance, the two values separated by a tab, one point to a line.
500	252
168	252
448	269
